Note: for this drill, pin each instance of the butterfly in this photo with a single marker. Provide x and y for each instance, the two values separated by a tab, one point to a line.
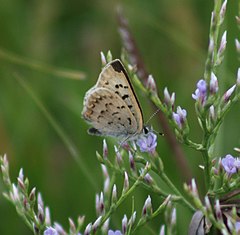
111	106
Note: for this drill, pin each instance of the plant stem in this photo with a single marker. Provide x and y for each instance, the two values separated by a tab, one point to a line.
176	191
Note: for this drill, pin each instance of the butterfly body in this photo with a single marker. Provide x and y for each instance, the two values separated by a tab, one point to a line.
111	106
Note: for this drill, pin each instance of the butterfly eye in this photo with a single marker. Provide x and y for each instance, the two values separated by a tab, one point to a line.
145	130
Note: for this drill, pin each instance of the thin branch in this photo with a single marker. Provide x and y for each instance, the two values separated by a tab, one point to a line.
136	59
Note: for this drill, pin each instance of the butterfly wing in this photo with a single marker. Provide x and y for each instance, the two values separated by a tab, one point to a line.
115	78
108	114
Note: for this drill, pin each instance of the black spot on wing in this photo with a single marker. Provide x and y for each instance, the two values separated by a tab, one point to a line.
125	97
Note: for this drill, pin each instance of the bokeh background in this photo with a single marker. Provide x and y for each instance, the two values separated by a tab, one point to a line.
172	37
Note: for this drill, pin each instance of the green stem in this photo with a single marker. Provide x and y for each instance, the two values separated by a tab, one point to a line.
176	191
123	197
29	63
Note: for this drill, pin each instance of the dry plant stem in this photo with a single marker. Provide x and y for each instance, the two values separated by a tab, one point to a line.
135	58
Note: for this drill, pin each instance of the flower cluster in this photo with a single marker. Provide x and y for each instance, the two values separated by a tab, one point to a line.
148	142
230	164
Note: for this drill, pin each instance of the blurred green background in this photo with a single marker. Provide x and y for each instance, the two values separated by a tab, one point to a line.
172	37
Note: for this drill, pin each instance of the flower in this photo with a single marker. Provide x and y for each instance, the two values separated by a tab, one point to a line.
180	116
201	92
50	231
213	84
228	93
237	226
169	99
238	77
151	84
117	232
228	164
148	142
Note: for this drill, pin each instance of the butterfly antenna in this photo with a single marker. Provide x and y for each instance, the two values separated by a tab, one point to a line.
152	116
156	132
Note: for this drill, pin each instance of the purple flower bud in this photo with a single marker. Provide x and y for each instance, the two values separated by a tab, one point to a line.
118	156
237	44
169	99
88	229
21	175
211	41
218	210
173	217
208	204
126	182
147	143
162	230
105	149
103	59
201	92
106	178
97	204
72	225
151	84
5	162
20	183
148	178
50	231
41	216
212	112
194	188
117	232
32	194
223	11
228	163
105	171
147	208
14	194
101	203
132	219
124	224
228	93
238	77
213	84
114	194
237	226
59	229
96	224
40	200
223	43
131	161
106	185
47	216
180	116
105	226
